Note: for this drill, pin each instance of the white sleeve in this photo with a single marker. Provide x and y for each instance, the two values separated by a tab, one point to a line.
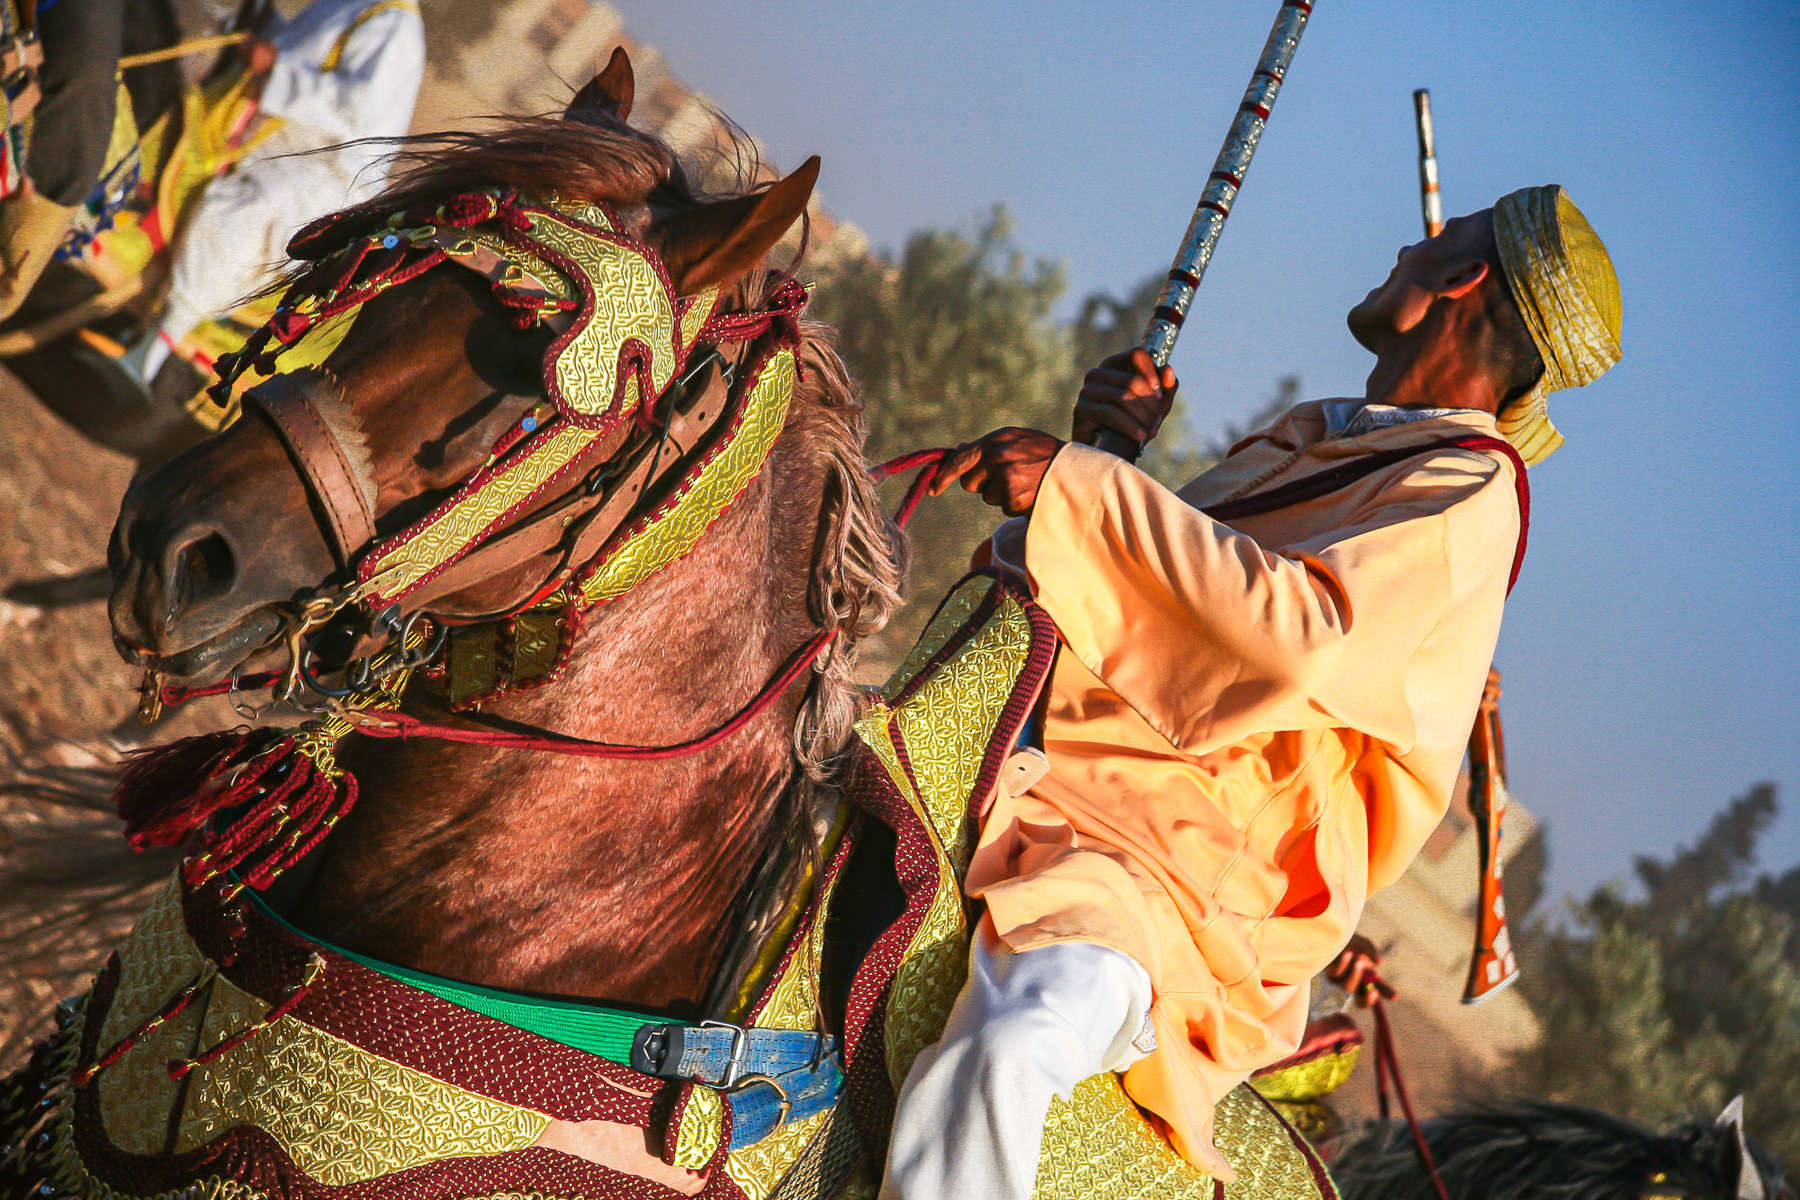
371	90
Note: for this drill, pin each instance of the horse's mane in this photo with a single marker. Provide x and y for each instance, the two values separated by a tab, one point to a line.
1539	1149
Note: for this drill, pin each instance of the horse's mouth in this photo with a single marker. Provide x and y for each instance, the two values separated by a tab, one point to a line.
213	658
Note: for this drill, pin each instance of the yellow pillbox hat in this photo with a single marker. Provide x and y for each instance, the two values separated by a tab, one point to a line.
1568	293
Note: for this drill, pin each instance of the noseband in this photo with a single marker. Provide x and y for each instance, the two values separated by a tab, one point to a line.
330	459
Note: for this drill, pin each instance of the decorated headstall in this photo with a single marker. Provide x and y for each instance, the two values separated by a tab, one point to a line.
561	488
615	474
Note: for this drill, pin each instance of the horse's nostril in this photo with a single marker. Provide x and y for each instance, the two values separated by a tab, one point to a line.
203	569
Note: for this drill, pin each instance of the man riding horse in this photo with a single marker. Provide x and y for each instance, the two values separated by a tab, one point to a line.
339	71
1264	688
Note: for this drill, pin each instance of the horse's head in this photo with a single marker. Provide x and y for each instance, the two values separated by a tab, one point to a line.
444	373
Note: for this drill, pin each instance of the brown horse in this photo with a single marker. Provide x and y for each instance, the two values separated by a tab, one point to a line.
579	878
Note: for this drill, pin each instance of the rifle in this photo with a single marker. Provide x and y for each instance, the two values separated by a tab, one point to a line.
1216	199
1431	206
1492	966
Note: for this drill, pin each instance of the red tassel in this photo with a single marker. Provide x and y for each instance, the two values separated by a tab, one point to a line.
163	792
285	801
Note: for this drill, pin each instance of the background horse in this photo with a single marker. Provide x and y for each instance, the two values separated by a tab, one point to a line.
1533	1150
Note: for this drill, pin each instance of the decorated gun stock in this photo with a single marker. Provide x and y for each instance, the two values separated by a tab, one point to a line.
1216	199
1492	966
1431	206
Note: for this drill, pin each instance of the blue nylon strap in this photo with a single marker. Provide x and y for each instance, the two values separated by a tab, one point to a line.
757	1109
720	1055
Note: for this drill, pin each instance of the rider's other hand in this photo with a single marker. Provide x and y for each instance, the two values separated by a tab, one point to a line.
1005	467
1125	393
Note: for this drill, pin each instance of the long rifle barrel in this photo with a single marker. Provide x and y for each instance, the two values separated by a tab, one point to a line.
1431	205
1216	199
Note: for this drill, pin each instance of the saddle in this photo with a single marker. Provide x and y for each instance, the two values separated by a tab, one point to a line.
221	1052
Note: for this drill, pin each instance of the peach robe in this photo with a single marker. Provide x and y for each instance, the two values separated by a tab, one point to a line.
1249	728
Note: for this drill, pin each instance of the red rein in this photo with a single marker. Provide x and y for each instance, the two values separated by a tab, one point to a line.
401	725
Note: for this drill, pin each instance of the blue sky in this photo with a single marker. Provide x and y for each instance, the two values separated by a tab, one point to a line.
1650	651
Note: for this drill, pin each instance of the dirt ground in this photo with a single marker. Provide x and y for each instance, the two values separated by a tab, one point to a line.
63	693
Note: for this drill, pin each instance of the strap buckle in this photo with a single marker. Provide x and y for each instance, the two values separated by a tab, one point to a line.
672	1052
740	1051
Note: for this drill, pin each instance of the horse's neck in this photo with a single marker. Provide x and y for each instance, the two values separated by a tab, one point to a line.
531	870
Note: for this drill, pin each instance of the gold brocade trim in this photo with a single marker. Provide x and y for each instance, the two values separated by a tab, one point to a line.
343	1114
946	726
759	1169
672	534
631	302
1313	1118
1099	1144
1311	1079
793	1004
462	522
1252	1139
700	1129
694	319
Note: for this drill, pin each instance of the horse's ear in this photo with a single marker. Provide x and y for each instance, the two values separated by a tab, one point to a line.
717	242
609	93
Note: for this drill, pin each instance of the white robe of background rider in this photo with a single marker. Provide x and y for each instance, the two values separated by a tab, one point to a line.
240	229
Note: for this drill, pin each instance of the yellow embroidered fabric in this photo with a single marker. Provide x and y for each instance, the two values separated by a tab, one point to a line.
1311	1079
1099	1144
465	520
946	726
793	1004
701	1128
156	961
708	492
343	1114
630	303
1563	279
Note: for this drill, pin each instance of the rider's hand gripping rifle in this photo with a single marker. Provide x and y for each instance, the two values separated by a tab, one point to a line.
1221	191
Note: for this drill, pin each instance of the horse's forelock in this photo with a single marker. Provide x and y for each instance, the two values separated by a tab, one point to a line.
540	157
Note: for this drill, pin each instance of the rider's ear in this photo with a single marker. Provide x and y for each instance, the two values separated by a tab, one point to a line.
607	94
1462	278
717	242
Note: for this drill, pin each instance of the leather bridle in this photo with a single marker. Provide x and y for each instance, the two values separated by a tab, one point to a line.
337	480
627	475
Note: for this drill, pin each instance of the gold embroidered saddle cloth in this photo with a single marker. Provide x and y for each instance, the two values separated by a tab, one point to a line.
221	1053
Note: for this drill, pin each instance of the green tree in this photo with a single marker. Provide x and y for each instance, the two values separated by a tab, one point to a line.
1668	1003
952	339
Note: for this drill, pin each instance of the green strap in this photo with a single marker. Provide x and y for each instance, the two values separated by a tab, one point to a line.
583	1025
